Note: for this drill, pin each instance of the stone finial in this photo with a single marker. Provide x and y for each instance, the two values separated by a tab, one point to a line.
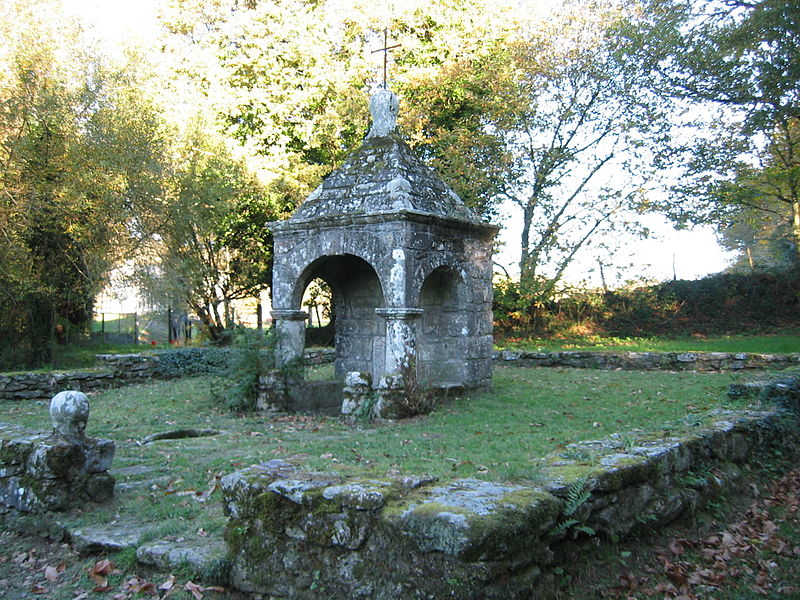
69	411
383	105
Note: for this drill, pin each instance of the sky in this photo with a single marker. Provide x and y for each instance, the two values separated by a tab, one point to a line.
115	21
668	253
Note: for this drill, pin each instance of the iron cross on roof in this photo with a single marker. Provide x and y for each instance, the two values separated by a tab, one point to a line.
385	50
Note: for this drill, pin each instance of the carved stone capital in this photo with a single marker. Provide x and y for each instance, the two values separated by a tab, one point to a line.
399	314
289	315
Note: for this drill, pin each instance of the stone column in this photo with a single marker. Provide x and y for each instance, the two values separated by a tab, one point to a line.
401	338
400	357
290	327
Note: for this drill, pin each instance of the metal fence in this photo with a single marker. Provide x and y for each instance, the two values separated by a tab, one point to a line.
115	328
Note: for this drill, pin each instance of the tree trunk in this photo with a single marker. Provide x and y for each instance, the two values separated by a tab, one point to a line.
41	328
526	269
211	326
796	230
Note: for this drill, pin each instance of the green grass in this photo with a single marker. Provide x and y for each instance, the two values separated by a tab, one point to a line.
116	323
784	343
494	435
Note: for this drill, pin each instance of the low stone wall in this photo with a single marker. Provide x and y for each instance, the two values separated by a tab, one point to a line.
131	368
650	361
121	369
308	535
43	386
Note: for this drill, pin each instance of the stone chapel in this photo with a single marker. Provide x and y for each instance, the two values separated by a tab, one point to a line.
409	266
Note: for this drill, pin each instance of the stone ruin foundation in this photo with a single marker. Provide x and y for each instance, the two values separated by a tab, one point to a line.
307	535
409	266
52	471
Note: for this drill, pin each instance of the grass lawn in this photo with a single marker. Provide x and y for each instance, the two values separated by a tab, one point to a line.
493	435
784	343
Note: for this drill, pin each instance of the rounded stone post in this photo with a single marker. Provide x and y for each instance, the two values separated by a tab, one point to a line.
290	328
69	411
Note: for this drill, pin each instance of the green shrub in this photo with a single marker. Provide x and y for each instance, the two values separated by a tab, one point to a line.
179	362
252	354
720	303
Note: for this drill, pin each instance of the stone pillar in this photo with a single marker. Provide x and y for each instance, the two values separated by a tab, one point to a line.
401	338
290	328
398	379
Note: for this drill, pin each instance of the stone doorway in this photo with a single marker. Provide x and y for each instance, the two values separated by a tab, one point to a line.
355	294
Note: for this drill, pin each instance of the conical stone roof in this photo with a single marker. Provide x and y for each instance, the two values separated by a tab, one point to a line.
384	177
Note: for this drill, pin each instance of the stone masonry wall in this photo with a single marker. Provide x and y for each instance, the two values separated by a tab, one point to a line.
121	369
304	535
649	361
43	386
131	368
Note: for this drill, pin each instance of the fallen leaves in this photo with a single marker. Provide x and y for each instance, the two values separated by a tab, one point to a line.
99	573
52	573
745	554
135	585
194	589
201	496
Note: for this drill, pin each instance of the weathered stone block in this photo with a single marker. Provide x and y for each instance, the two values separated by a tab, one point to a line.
41	472
304	536
201	557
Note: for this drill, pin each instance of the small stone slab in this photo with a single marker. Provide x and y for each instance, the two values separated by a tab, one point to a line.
466	517
201	556
106	538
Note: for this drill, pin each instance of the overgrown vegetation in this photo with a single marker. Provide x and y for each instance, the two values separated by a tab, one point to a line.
721	303
253	353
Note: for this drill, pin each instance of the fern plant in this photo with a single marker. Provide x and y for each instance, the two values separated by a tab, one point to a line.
577	495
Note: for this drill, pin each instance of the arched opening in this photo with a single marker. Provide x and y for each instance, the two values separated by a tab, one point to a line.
442	334
355	293
317	301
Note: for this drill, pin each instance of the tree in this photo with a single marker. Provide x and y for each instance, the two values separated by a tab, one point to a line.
537	120
736	65
507	107
71	174
212	246
582	114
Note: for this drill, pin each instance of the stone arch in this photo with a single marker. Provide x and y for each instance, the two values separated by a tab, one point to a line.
356	293
295	256
425	268
443	331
